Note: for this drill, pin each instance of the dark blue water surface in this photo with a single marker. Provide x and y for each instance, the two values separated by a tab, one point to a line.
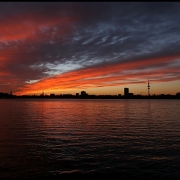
119	138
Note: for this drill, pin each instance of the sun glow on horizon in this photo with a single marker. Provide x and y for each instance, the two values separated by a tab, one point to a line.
107	76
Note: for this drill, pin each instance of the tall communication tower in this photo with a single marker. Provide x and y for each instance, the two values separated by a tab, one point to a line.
148	87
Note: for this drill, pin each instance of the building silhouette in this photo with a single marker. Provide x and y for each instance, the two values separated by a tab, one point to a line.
83	93
130	94
126	91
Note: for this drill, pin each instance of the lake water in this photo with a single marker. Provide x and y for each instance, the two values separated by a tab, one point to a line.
120	137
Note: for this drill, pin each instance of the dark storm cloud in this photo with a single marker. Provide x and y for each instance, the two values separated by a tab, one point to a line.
79	34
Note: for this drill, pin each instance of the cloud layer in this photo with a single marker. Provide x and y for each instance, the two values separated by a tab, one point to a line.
81	45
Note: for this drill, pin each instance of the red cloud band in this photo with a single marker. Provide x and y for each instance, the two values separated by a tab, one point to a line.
107	75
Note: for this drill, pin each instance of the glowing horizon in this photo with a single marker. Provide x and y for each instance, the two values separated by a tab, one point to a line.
103	75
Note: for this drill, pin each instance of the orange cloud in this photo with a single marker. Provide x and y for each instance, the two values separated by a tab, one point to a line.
107	75
28	27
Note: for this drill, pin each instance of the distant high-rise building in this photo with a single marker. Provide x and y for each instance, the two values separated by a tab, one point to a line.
126	91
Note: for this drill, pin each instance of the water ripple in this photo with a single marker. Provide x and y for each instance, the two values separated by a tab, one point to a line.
130	138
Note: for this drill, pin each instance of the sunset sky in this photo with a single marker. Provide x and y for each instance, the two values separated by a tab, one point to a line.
98	47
